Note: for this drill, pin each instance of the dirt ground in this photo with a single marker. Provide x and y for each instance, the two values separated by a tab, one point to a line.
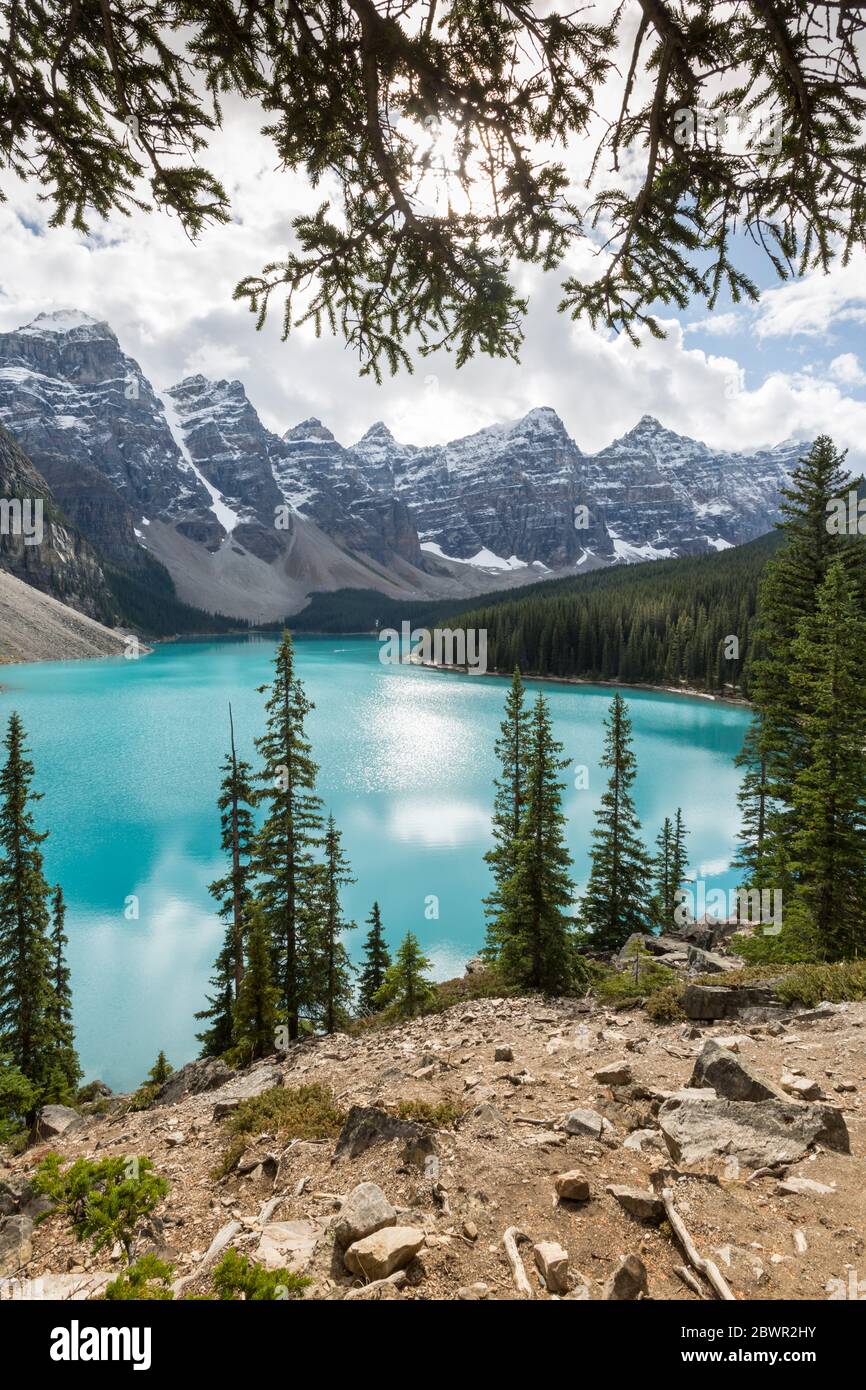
497	1166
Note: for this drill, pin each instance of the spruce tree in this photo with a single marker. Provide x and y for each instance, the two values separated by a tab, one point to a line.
679	858
827	915
160	1071
255	1014
234	894
284	846
752	858
511	750
377	959
664	903
25	948
65	1072
787	596
407	989
533	934
615	902
335	989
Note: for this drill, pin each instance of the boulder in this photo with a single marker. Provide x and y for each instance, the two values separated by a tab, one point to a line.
54	1120
288	1244
627	1282
16	1245
367	1125
365	1210
475	965
710	962
378	1255
203	1075
699	1125
503	1053
551	1261
572	1186
714	1001
643	1205
224	1108
721	1069
614	1074
641	1139
587	1122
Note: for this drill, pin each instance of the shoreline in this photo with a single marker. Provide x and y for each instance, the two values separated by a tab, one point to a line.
691	692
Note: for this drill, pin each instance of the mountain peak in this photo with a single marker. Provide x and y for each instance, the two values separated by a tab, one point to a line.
378	431
309	429
65	321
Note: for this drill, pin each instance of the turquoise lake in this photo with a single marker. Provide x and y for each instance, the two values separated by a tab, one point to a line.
127	756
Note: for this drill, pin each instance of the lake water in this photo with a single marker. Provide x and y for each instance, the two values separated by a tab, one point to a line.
127	755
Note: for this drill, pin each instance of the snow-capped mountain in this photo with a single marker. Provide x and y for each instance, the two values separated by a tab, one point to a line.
250	522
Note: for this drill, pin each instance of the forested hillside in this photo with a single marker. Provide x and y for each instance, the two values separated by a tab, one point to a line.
667	622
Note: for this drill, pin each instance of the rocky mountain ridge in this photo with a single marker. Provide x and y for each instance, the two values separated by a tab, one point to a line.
249	522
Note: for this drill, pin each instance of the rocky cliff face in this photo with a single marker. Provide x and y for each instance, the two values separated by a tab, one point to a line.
194	477
38	544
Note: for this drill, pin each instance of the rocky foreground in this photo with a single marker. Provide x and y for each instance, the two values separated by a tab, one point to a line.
590	1148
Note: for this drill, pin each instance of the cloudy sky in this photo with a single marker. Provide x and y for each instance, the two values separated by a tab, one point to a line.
792	365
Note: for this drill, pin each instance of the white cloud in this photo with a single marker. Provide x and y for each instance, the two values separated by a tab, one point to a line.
816	302
846	369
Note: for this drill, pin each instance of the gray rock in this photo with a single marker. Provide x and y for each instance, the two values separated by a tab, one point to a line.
203	1075
16	1245
365	1210
551	1261
643	1205
714	1001
503	1053
698	1125
473	1293
572	1186
475	966
54	1120
721	1069
367	1125
224	1108
627	1282
56	1288
803	1187
587	1122
614	1074
641	1139
711	963
803	1087
288	1244
380	1254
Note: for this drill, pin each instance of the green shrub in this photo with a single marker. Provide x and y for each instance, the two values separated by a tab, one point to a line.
105	1201
664	1006
640	981
839	983
148	1278
143	1098
444	1115
236	1277
301	1112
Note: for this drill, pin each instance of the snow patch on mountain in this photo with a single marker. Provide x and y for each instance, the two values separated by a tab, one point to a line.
227	518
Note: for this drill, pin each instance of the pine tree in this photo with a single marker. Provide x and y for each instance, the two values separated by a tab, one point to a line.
532	935
787	596
664	903
335	990
160	1071
827	914
25	948
377	959
65	1071
752	857
234	894
615	902
406	989
679	858
511	750
255	1014
284	846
